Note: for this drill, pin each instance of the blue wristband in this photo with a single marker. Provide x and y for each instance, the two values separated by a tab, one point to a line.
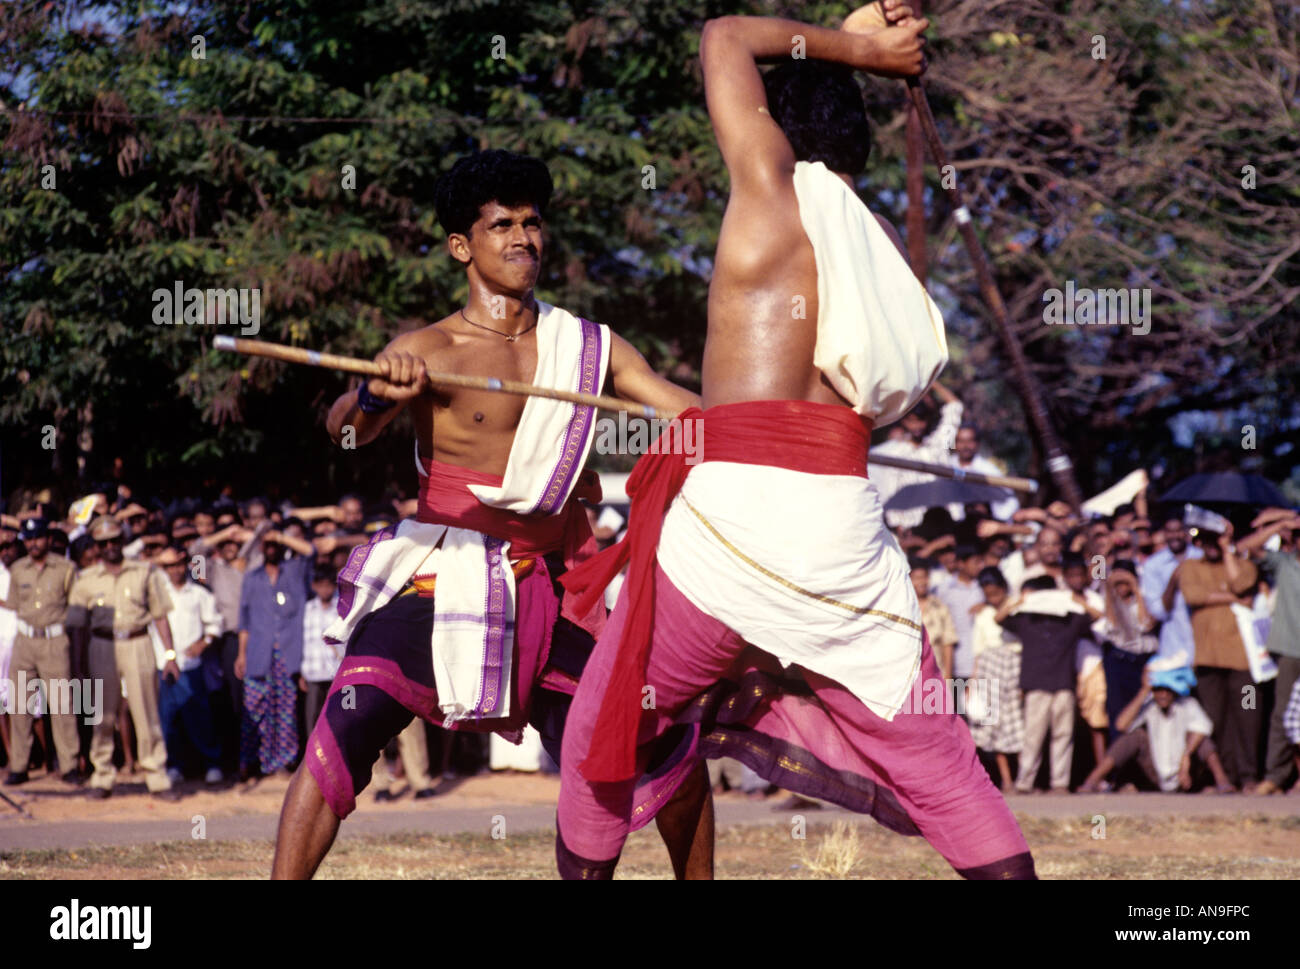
369	403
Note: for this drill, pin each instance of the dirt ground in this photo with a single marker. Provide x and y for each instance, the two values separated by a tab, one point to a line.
1157	848
50	800
1213	838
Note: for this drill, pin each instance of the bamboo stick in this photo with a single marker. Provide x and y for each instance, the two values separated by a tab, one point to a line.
277	351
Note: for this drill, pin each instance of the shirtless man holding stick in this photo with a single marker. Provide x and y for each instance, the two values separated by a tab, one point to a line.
456	616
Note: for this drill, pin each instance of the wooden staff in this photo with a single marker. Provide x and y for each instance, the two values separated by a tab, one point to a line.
278	351
1028	485
1058	462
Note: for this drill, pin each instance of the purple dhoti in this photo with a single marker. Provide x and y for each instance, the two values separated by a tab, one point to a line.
386	678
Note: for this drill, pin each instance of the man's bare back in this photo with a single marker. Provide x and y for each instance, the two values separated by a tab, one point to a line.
763	304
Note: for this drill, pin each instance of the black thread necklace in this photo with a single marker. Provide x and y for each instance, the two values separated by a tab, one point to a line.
510	337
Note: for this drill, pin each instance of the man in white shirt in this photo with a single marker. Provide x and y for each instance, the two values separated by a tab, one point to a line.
1164	599
1167	733
183	699
916	445
965	457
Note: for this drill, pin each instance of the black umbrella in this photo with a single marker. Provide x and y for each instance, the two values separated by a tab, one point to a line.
1227	487
944	491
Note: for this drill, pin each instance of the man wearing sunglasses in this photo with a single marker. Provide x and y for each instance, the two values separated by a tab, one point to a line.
117	599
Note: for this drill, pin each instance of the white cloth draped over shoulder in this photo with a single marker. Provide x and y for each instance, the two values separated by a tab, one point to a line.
473	631
880	337
801	565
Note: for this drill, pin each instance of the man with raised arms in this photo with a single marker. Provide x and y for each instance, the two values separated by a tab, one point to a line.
766	606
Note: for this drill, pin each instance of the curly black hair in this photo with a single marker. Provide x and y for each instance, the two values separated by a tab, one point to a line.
819	107
489	176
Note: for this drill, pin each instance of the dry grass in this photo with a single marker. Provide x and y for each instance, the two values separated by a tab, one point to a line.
1148	847
838	853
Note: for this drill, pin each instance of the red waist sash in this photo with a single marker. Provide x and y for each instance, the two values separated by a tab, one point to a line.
445	499
792	434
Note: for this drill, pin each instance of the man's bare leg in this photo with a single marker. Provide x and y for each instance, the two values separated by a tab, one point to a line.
1004	771
1098	743
1221	782
686	825
307	829
1092	784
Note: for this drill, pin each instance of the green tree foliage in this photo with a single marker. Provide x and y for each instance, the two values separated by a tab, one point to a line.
1143	144
228	171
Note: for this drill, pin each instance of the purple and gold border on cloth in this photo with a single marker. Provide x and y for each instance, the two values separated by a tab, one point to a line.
725	715
330	769
581	424
352	573
495	668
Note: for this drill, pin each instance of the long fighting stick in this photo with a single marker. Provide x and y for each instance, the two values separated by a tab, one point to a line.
278	351
1028	485
1058	463
367	368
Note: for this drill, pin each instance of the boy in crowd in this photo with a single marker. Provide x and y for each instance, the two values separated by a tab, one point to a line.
962	595
1049	626
1129	635
1091	684
320	658
1167	733
934	616
997	659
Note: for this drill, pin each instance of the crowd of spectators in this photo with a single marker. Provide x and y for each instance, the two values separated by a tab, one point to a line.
1127	644
205	623
1131	645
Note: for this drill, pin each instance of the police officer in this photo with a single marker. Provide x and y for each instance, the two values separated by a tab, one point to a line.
38	594
118	598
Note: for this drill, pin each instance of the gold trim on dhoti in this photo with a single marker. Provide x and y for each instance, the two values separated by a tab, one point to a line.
857	610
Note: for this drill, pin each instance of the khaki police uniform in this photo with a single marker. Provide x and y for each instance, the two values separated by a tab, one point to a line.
128	601
39	596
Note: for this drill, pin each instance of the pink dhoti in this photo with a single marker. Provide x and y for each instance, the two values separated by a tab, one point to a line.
853	740
917	774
